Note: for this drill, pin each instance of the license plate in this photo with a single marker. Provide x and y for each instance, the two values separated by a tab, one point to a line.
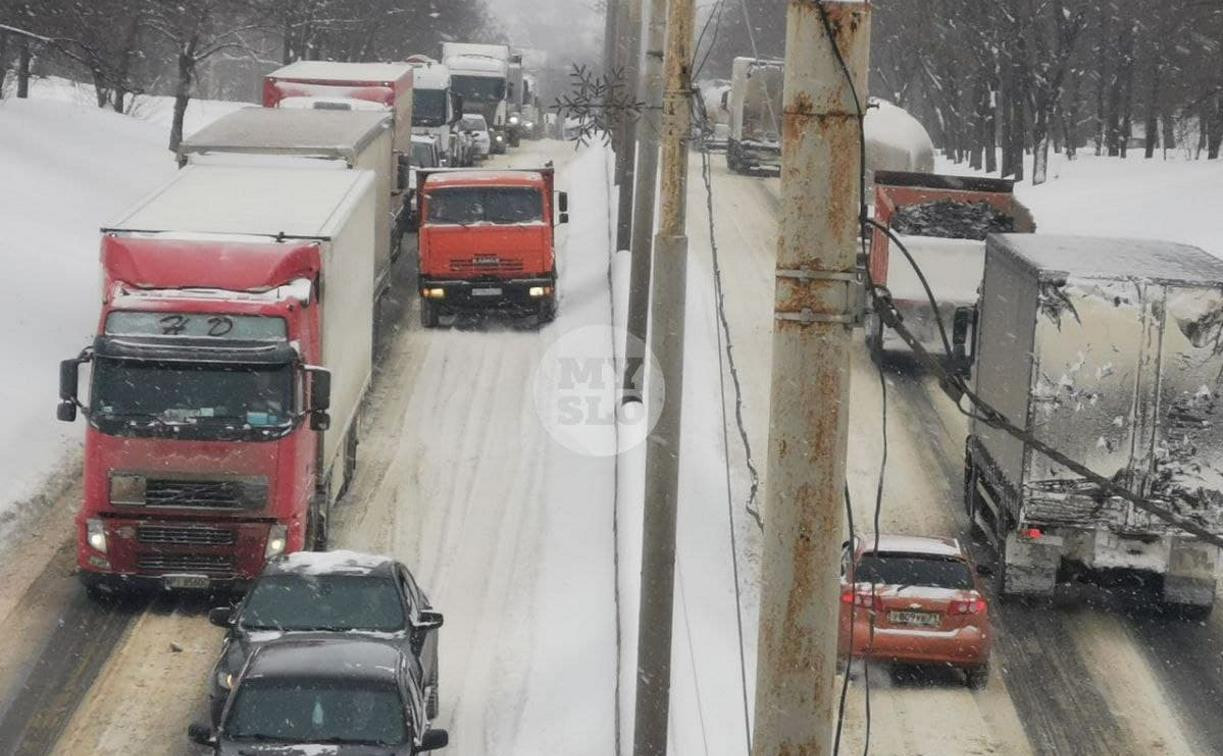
923	619
489	291
199	582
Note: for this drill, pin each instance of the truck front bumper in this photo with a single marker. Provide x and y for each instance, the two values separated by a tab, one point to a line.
173	553
517	295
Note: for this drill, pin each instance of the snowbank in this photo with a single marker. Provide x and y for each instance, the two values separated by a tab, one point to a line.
67	169
157	110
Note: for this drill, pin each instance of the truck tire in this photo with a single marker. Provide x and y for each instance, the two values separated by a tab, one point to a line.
971	501
547	311
872	331
732	158
316	525
428	314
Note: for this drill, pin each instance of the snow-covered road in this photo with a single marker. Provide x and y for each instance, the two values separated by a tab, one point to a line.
509	532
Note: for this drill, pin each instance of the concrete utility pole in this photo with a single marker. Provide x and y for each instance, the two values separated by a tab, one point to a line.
808	428
644	196
610	40
667	343
626	157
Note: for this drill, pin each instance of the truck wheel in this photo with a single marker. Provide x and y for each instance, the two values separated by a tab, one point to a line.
428	314
970	492
316	525
732	158
547	311
977	677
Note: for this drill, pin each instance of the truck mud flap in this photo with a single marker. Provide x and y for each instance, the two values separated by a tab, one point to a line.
1031	565
1191	577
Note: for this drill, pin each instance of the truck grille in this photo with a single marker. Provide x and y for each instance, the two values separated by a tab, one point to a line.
185	536
209	564
489	266
199	494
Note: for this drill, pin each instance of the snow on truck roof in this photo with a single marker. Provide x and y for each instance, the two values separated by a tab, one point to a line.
484	178
288	130
325	70
1097	257
248	201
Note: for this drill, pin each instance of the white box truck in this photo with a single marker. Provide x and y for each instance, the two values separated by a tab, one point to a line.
359	140
1108	351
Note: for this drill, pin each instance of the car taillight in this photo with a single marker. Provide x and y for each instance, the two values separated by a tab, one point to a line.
968	606
863	600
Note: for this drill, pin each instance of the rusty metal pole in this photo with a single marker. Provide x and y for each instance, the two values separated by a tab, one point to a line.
667	303
645	199
808	423
631	34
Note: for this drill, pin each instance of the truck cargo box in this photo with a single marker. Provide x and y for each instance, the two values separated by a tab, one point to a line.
206	205
1110	351
269	137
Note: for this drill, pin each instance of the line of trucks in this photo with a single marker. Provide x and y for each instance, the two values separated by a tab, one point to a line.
239	308
1110	351
1107	350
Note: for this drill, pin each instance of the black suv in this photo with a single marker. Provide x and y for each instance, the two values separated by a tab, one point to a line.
357	697
324	595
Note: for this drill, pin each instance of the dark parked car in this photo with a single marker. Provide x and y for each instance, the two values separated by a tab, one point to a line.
337	697
319	595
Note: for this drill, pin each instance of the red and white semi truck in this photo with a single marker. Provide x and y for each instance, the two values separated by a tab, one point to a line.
232	354
487	242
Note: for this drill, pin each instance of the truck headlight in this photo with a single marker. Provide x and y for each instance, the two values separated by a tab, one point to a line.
127	490
500	138
539	291
95	534
433	293
513	120
225	680
277	540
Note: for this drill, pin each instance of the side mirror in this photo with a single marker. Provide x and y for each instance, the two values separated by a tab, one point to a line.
562	201
434	739
200	733
69	376
320	421
221	616
961	324
320	389
429	621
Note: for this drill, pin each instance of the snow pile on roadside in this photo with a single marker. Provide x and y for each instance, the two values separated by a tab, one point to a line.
67	170
155	109
1173	200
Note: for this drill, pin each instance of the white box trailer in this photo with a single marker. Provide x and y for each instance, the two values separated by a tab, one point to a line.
1107	350
358	140
230	212
754	106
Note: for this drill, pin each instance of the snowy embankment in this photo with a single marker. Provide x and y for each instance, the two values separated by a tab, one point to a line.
1174	200
67	167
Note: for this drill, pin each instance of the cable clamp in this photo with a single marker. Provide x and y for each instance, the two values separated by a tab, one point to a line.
855	297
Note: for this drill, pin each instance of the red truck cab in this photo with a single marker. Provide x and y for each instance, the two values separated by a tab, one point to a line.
227	374
487	241
206	493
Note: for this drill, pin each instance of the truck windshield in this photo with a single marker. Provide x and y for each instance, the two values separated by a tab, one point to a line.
429	107
258	396
422	155
485	205
479	88
317	711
